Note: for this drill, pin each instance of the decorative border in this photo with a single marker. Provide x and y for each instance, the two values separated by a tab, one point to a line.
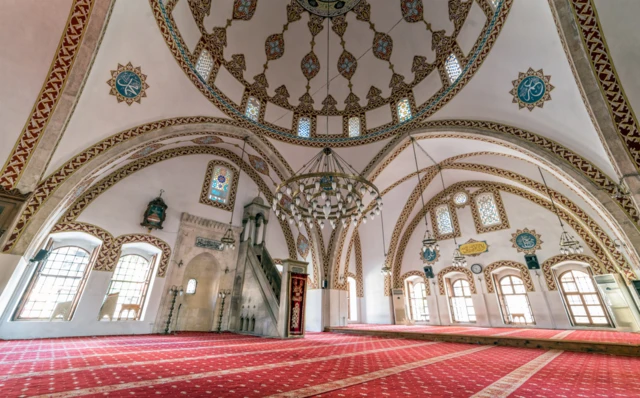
409	274
597	267
481	228
49	94
478	54
359	277
524	273
109	252
206	186
447	270
595	46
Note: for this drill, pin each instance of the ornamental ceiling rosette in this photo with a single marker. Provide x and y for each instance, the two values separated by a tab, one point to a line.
347	65
274	46
303	246
412	10
146	151
259	164
382	46
310	66
244	9
208	140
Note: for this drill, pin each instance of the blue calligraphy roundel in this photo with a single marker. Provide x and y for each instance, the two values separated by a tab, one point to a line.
531	89
526	241
430	255
128	84
221	179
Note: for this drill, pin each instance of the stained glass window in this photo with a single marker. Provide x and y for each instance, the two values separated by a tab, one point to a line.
487	209
204	65
253	108
191	286
404	110
443	219
56	284
304	127
495	3
453	67
354	126
460	198
220	184
130	282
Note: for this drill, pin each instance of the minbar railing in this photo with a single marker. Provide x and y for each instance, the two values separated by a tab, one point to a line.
269	268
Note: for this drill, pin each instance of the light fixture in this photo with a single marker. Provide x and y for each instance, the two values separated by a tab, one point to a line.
326	187
386	270
568	244
429	242
458	260
228	241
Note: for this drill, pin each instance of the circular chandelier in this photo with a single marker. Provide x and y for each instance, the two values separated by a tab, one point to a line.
327	189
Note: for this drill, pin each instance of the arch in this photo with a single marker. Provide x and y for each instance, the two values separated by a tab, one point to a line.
144	238
447	270
524	274
420	274
595	265
198	313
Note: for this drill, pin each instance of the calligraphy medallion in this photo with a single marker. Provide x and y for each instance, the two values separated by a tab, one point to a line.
531	89
526	241
430	256
128	84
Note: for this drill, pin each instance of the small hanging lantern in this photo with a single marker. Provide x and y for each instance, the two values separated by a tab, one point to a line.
155	214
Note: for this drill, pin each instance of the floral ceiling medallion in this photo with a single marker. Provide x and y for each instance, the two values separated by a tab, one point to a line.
303	246
531	89
328	8
128	84
244	9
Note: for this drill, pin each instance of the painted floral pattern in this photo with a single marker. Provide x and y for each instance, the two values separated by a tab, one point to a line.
412	10
347	65
310	66
274	46
382	46
244	9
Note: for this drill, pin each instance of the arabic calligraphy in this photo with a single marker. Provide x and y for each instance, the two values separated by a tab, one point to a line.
531	89
128	84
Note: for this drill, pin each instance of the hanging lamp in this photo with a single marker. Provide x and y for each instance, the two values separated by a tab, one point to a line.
386	270
429	242
228	241
568	244
326	188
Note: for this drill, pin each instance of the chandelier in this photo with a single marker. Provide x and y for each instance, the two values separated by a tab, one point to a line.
458	259
228	241
568	244
327	189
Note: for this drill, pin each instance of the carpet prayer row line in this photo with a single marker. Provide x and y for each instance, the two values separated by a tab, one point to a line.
322	364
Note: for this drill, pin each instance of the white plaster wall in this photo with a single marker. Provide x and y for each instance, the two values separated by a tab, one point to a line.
521	214
313	311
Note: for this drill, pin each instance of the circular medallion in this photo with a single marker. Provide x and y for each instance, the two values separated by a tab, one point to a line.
531	89
460	198
221	179
328	8
526	241
476	268
128	84
430	256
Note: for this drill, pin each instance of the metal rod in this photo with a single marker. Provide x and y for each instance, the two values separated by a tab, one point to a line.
555	209
384	245
415	158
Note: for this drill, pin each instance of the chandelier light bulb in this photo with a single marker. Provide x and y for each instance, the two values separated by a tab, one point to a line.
371	216
279	195
289	190
340	205
301	186
363	190
364	220
334	185
349	187
321	224
282	217
317	185
290	221
338	196
323	195
343	211
297	200
308	197
277	212
377	211
358	202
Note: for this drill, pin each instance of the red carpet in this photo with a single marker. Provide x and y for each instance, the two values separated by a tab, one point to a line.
322	364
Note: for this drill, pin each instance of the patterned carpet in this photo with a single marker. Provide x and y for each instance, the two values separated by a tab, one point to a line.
567	335
322	364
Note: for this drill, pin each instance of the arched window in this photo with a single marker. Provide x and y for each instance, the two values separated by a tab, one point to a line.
56	285
130	283
417	299
453	67
191	286
204	65
253	109
582	299
304	127
514	301
352	299
354	126
487	209
443	220
220	184
460	301
460	198
404	110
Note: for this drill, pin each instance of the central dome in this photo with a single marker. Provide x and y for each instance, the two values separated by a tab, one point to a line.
374	53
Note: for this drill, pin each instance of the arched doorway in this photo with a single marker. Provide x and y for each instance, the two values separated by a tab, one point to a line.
198	304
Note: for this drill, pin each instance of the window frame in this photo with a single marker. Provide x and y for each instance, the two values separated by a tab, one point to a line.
93	254
454	221
397	109
146	284
311	126
359	119
206	185
586	270
445	65
504	306
451	295
350	297
410	285
195	289
475	211
246	102
195	66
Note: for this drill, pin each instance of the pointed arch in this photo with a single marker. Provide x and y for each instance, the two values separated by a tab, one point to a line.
450	269
597	267
524	273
